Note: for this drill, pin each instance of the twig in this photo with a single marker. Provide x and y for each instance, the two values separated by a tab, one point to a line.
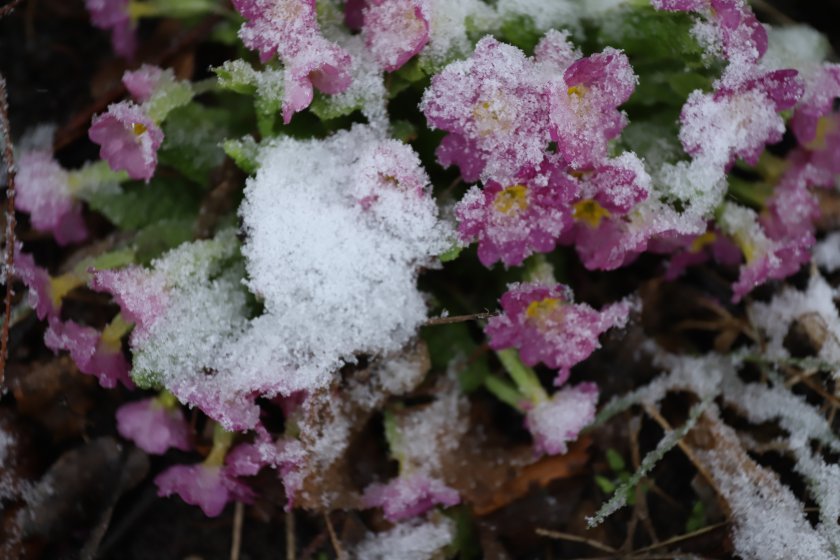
9	159
574	538
9	8
238	518
457	319
772	12
290	535
339	552
681	538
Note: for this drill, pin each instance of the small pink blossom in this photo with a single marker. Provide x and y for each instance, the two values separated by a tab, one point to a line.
699	249
545	326
584	111
289	28
395	30
113	16
44	193
556	422
39	283
209	487
144	81
496	106
153	426
93	354
128	139
512	222
141	295
409	496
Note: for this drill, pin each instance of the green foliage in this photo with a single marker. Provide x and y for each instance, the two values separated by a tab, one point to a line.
243	152
697	518
157	238
450	342
522	32
193	137
466	544
137	205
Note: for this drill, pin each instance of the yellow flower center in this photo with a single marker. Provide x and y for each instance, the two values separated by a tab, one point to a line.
541	311
577	91
702	241
490	117
138	128
511	199
590	212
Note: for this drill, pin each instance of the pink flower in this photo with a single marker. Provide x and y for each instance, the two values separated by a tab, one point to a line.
113	15
699	249
512	222
545	326
141	295
143	82
289	28
153	425
409	496
816	103
495	105
395	30
128	139
556	422
42	297
740	33
209	487
43	192
584	111
92	353
733	123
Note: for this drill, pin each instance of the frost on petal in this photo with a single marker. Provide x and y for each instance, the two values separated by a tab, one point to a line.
205	486
38	281
289	28
153	426
43	192
141	295
128	139
395	31
808	122
584	111
143	82
495	102
545	326
512	222
409	496
92	354
556	422
113	15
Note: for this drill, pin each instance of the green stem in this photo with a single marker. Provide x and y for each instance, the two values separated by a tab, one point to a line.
222	441
505	392
524	377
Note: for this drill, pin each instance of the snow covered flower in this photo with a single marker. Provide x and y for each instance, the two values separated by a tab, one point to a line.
154	424
545	326
95	353
143	82
45	292
289	28
694	250
141	295
732	123
208	485
395	30
114	16
584	113
495	108
43	191
128	139
511	222
409	496
555	422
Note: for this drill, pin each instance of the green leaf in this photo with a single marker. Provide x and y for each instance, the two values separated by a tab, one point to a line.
697	519
606	485
521	32
193	140
451	254
156	239
615	461
466	544
137	205
243	152
449	342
